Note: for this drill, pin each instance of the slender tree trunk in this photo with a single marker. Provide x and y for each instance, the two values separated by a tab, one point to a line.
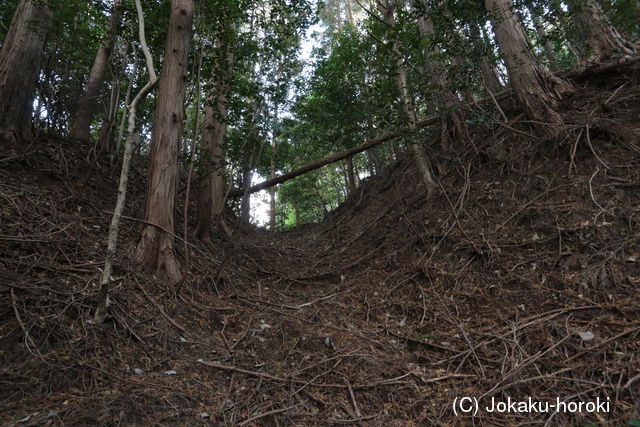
192	153
20	57
106	130
445	99
371	163
132	140
489	76
601	37
245	203
296	212
211	190
87	105
546	42
537	89
115	151
155	249
408	110
351	175
349	9
272	175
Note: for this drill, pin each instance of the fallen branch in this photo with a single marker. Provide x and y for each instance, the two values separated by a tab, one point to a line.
161	310
271	377
266	414
235	192
27	338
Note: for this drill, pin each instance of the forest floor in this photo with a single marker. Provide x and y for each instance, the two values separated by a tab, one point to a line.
520	279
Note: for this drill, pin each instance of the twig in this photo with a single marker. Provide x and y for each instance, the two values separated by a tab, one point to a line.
353	399
526	205
574	148
27	337
631	381
161	310
266	414
615	337
390	381
594	151
592	196
298	307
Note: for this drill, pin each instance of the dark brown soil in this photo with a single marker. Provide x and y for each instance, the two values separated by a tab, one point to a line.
519	279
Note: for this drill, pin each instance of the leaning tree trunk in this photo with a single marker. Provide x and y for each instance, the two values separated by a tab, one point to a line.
537	89
211	190
87	104
20	57
601	37
408	109
155	249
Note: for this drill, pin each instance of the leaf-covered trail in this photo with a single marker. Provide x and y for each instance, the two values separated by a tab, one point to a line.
521	283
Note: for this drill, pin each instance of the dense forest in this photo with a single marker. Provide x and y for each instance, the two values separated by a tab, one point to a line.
308	212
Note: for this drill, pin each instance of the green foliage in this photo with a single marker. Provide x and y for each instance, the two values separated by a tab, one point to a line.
344	97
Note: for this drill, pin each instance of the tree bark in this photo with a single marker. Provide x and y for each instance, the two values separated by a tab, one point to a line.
20	58
602	38
537	89
155	249
88	102
407	107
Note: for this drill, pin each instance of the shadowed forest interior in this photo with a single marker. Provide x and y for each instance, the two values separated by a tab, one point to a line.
308	212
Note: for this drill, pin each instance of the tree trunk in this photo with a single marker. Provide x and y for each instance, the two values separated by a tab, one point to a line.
155	249
115	150
132	140
87	104
546	43
371	164
245	203
351	175
601	37
211	191
537	89
445	100
296	212
408	110
105	137
20	57
349	9
489	76
272	175
482	45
